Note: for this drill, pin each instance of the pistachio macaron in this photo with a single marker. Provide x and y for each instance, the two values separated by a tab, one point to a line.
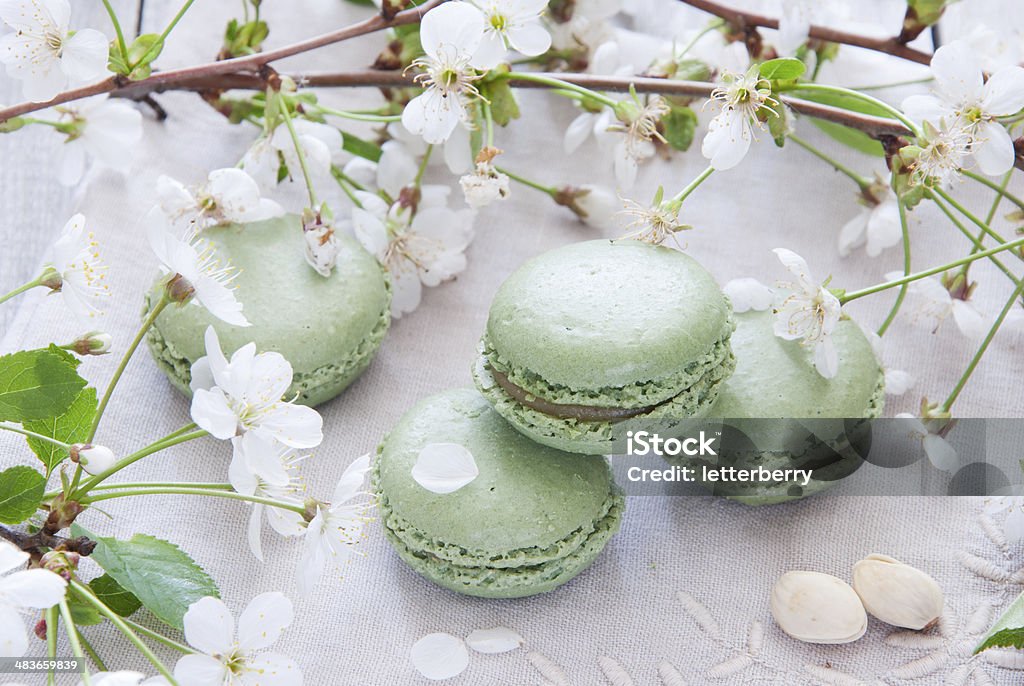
776	379
532	519
585	337
328	328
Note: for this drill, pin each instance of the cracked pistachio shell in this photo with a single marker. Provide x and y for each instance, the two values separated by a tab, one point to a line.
818	608
897	593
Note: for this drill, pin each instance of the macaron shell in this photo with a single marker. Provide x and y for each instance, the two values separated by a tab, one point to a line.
328	328
601	313
533	518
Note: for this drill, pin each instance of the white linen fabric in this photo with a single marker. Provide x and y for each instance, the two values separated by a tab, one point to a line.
686	581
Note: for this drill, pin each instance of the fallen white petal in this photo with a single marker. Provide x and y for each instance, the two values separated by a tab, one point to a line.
500	639
439	656
444	467
748	294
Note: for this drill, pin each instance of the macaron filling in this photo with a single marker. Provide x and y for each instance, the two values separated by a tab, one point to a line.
584	413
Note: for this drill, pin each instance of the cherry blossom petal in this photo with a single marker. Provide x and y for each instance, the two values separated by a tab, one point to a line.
395	169
727	141
11	558
406	291
209	626
970	322
84	55
957	72
491	51
500	639
439	656
272	669
748	294
993	149
530	38
210	410
853	234
13	638
444	467
826	358
578	131
457	24
200	670
296	426
941	454
1004	92
36	588
884	229
458	153
898	382
263	621
432	114
926	108
352	480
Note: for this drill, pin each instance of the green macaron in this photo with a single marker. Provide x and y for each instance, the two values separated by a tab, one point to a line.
776	379
328	328
533	518
589	338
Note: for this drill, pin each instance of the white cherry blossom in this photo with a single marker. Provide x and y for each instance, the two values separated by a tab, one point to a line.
897	381
588	27
332	535
229	195
511	24
263	467
450	35
81	276
943	153
104	130
607	61
807	311
877	225
486	184
936	305
930	433
36	589
43	52
731	132
192	263
418	250
595	205
964	99
245	393
318	142
229	658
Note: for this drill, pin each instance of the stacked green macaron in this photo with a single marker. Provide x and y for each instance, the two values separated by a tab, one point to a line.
776	379
328	328
586	336
533	519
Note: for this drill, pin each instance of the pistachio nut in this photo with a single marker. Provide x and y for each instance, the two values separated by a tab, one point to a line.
818	608
897	593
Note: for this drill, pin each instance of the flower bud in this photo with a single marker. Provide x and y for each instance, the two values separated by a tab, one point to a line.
60	562
92	343
93	458
321	245
51	278
179	289
594	205
40	630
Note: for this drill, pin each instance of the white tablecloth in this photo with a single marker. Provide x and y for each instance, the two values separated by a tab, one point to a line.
686	578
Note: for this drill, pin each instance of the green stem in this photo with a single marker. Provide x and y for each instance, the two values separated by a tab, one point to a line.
896	84
905	230
1001	190
863	97
159	638
975	240
999	197
123	627
14	428
489	122
125	359
121	44
166	32
359	116
344	182
418	181
967	213
287	116
564	85
76	646
51	642
155	447
955	393
91	652
228	495
713	26
21	289
210	486
685	193
929	272
861	181
550	190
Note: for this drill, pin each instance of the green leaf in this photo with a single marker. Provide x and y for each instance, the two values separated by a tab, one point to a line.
360	148
161	575
840	100
114	596
21	491
71	427
1008	631
504	107
82	611
858	140
141	53
38	384
680	124
782	69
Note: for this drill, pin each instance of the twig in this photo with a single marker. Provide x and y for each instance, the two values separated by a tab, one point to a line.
238	65
741	19
37	542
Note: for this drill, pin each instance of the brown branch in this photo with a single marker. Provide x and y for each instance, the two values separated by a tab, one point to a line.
238	65
37	543
742	20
